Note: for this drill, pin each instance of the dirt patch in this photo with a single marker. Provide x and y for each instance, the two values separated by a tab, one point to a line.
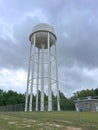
12	122
54	125
5	118
3	129
41	124
73	128
29	121
28	125
58	125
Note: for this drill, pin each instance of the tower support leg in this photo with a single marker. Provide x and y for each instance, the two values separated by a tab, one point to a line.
32	78
27	91
49	76
57	84
42	79
37	81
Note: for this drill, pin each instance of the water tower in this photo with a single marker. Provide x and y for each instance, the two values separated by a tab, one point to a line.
43	69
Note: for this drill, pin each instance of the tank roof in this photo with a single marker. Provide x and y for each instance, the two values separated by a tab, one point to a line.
43	27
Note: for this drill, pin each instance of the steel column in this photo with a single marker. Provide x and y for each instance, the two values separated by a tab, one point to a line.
58	97
32	78
49	76
27	91
37	80
42	79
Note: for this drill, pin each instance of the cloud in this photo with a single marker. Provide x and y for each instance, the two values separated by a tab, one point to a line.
76	27
15	45
77	35
76	79
14	80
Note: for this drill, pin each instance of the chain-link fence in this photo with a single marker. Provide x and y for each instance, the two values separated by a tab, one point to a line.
16	107
64	104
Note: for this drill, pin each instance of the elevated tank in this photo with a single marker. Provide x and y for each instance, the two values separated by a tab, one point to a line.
41	31
43	68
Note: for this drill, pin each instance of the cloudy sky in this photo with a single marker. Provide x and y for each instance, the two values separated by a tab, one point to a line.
76	26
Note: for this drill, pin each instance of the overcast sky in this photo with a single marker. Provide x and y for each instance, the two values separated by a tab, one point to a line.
76	25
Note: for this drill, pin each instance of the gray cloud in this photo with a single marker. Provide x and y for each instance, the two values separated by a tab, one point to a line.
15	53
75	23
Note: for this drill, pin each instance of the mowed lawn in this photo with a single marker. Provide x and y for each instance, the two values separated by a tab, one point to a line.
64	120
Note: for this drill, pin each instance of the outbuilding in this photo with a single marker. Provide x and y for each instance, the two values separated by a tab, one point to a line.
86	104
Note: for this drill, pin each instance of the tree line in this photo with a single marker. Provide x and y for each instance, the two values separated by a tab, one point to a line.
85	93
11	98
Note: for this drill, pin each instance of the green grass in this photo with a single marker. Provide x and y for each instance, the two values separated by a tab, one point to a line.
48	120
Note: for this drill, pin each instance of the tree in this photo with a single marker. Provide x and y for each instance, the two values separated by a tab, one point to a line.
11	98
96	91
1	97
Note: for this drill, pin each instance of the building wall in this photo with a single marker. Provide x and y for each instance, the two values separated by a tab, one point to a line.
86	105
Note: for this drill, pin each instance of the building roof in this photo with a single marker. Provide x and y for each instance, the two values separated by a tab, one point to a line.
83	100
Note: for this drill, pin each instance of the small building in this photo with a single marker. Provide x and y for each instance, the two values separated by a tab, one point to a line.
86	104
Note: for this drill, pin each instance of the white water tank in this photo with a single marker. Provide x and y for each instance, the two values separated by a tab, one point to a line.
41	31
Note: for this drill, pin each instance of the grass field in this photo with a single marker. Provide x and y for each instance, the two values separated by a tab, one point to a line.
64	120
